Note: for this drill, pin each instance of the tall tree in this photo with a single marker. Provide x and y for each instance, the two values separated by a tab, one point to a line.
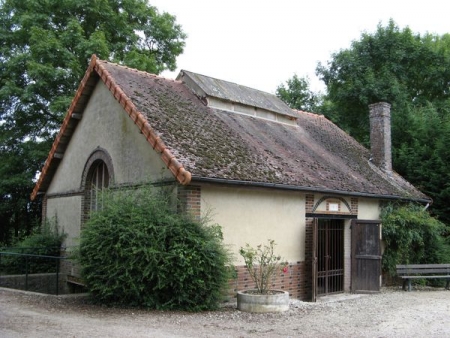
412	72
298	95
45	47
393	65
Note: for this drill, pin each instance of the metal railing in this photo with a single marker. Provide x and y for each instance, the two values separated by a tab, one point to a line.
25	264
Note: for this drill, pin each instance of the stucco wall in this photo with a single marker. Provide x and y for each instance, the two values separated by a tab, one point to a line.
67	210
255	215
368	209
105	124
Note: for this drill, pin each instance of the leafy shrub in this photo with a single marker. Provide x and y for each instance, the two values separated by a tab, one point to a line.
137	251
262	264
44	240
412	236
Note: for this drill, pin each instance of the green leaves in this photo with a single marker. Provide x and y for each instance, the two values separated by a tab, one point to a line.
412	73
262	264
44	240
137	252
391	65
45	47
412	236
297	95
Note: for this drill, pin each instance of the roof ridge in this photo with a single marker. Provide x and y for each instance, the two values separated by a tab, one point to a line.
139	71
298	111
234	83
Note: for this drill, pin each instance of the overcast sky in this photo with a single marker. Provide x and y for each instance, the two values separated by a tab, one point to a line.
261	43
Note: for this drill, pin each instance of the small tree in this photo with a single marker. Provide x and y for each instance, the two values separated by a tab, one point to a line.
262	264
137	251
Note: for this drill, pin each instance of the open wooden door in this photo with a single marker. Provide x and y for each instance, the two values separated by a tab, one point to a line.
366	256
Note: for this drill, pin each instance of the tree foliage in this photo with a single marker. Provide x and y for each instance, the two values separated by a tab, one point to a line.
412	73
412	236
137	251
45	239
45	47
392	65
297	94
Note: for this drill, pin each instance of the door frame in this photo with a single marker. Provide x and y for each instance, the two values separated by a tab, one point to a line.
314	260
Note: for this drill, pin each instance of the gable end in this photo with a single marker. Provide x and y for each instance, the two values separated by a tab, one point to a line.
97	71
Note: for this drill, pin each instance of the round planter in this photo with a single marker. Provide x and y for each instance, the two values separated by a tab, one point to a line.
249	301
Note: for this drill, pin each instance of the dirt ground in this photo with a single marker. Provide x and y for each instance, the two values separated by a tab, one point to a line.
391	313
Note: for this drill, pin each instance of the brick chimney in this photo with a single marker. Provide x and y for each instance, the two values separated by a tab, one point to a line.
380	135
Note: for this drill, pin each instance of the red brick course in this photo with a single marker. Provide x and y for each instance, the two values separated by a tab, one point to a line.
189	200
292	281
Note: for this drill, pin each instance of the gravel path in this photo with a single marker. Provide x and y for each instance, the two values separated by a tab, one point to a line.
391	313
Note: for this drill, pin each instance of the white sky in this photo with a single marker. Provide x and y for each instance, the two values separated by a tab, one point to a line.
263	43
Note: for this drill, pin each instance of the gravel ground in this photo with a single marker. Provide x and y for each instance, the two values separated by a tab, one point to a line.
391	313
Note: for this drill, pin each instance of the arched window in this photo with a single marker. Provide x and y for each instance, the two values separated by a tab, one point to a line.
98	174
99	181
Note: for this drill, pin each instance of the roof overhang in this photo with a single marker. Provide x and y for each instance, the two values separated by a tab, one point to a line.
306	189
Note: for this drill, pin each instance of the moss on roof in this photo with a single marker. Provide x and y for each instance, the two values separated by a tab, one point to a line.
211	143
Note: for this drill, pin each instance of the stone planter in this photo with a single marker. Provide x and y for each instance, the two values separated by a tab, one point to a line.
250	301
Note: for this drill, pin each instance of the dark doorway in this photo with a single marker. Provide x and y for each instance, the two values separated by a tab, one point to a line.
366	256
330	256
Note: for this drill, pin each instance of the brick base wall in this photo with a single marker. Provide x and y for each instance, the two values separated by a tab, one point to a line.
293	281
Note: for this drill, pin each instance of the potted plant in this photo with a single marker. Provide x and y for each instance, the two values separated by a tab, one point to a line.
263	265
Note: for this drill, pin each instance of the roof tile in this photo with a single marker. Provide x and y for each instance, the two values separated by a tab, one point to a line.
199	142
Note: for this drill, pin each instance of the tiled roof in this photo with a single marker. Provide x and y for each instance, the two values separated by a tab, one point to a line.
201	143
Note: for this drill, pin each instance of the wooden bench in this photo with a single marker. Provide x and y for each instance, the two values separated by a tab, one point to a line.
423	271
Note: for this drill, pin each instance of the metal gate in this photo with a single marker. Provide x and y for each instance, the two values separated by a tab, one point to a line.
330	256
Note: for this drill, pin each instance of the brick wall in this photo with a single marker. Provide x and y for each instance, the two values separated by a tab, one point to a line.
293	281
309	203
380	135
354	205
189	200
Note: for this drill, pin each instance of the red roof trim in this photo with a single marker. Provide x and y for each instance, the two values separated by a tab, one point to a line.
182	175
63	128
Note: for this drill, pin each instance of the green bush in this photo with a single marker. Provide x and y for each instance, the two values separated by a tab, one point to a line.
44	240
412	236
137	251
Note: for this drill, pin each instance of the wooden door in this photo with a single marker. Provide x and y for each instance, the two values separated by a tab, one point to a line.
366	256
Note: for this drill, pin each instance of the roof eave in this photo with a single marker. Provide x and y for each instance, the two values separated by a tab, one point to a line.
200	179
